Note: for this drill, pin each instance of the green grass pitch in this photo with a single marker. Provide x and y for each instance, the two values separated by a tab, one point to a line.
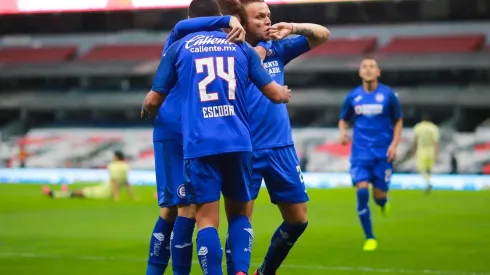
446	233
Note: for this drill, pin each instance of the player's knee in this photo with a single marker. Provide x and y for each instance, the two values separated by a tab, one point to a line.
168	213
187	211
207	215
362	185
295	213
379	194
235	208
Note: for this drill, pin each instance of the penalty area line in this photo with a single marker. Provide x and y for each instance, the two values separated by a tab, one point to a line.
285	266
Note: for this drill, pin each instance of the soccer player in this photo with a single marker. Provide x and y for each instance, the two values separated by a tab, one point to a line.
377	118
118	171
212	75
426	147
274	155
167	141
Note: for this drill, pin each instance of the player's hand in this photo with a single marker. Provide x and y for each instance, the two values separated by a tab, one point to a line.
146	115
280	30
287	94
237	33
344	138
391	154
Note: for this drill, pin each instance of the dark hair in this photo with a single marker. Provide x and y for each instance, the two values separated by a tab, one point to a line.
232	7
119	155
246	2
426	117
200	8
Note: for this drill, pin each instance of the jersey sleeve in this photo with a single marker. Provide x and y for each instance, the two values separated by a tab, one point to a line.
256	72
267	45
294	46
346	111
396	109
166	75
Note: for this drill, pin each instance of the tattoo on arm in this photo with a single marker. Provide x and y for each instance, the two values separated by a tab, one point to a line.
306	33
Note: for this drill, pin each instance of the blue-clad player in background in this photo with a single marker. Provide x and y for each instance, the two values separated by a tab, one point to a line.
378	122
212	75
274	155
168	148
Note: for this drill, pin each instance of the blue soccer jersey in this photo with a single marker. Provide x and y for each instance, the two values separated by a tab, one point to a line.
167	124
212	75
374	114
269	122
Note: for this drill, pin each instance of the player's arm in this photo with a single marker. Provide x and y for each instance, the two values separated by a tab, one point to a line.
262	48
115	190
308	36
315	34
165	80
209	23
346	113
261	78
397	117
130	189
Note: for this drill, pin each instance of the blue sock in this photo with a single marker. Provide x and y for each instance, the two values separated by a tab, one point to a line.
230	268
159	247
181	245
240	240
281	243
209	251
381	202
364	213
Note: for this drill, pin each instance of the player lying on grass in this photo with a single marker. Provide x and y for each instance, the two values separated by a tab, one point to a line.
426	148
169	159
377	118
118	172
274	155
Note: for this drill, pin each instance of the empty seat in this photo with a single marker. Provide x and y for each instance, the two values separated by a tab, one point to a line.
434	44
36	55
344	46
124	52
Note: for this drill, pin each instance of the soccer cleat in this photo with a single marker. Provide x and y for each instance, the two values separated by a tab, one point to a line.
370	245
47	191
385	210
241	273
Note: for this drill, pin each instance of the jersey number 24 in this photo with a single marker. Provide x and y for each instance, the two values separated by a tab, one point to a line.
212	70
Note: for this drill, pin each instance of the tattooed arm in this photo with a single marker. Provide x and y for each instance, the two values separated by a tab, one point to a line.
315	34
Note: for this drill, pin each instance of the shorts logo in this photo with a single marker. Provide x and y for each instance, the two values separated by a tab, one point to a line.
181	191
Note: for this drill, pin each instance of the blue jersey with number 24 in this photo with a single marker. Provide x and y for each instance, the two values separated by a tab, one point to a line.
213	76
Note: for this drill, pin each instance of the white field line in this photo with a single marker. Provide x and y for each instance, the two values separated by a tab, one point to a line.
285	266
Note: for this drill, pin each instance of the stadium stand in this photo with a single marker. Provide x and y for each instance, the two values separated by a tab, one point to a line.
434	44
36	55
123	52
93	147
345	46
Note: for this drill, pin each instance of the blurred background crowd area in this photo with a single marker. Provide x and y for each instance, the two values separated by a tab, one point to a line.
73	77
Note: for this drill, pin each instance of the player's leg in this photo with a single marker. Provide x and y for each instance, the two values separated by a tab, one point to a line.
284	182
424	166
381	182
260	164
361	174
159	251
203	187
237	175
181	241
65	193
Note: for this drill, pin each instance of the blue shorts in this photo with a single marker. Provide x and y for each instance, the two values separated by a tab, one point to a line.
207	177
169	169
377	172
280	169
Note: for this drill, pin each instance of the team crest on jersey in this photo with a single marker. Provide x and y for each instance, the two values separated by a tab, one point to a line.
270	52
380	98
358	109
181	191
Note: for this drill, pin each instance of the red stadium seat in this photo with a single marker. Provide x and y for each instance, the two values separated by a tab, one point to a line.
434	44
346	46
36	55
123	52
